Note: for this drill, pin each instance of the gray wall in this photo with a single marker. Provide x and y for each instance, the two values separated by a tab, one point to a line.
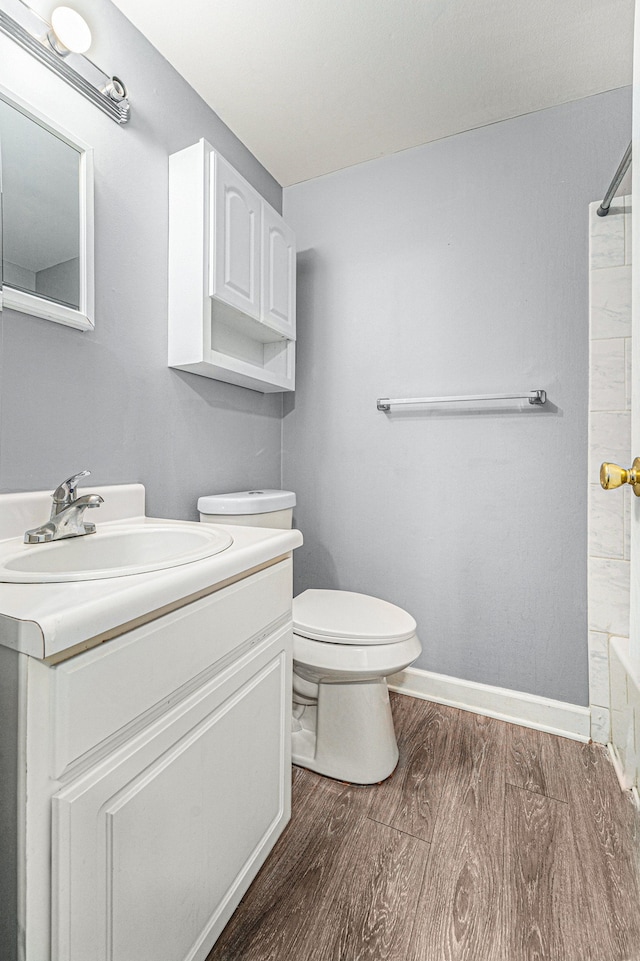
455	268
106	400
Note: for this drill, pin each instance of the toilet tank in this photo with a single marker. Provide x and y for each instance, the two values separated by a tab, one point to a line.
266	508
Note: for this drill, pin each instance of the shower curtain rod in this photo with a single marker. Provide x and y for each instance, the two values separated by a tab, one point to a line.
603	209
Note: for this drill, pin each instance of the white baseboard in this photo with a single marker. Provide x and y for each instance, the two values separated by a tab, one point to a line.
623	780
516	707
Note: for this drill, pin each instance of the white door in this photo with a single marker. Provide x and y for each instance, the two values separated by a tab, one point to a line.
278	274
235	241
613	475
634	628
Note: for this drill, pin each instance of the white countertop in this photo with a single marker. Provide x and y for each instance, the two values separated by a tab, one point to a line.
45	619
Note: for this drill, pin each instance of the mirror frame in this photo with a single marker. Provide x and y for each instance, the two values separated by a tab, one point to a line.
82	317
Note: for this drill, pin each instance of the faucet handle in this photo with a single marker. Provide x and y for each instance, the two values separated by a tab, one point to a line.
65	494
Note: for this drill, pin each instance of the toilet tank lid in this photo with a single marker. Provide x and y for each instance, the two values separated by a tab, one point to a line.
349	618
247	502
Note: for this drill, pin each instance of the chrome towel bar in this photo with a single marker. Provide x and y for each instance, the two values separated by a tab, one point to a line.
535	397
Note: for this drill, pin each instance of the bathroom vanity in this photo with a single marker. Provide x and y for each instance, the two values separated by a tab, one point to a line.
145	740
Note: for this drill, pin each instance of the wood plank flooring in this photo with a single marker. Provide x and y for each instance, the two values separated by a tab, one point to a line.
490	842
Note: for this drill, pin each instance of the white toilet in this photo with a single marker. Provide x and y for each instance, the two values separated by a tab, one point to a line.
345	645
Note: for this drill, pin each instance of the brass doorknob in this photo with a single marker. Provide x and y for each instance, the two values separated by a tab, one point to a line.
612	476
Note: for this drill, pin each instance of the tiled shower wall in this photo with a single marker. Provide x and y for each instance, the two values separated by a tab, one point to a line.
609	440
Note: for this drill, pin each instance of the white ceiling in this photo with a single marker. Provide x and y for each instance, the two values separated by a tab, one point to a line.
311	86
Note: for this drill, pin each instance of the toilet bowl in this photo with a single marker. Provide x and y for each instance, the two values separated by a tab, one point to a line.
345	645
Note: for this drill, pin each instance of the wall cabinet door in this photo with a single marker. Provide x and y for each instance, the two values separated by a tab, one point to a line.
235	246
154	847
278	274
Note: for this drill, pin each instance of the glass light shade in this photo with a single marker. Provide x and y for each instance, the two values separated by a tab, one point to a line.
71	30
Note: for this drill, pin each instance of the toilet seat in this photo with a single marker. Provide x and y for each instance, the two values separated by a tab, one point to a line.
316	661
345	617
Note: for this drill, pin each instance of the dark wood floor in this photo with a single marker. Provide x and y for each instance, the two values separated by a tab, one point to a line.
490	842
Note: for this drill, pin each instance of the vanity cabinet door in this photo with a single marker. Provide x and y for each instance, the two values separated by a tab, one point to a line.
235	247
154	847
278	273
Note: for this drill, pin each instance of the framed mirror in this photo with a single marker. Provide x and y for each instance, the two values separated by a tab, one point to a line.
46	235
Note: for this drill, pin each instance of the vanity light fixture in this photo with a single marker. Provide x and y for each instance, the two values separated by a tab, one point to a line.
61	45
69	32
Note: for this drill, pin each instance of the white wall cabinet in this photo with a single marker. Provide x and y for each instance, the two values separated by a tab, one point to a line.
153	800
231	276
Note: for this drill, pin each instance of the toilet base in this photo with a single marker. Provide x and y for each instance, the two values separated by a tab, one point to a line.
349	735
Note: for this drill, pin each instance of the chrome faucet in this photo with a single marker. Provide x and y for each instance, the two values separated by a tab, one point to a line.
67	512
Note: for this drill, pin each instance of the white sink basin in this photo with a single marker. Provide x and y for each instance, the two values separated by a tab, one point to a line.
111	552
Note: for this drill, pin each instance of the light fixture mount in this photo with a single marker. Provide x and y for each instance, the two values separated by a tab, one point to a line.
60	46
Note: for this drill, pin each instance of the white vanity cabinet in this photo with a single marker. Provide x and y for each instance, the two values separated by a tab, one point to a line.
232	280
156	777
